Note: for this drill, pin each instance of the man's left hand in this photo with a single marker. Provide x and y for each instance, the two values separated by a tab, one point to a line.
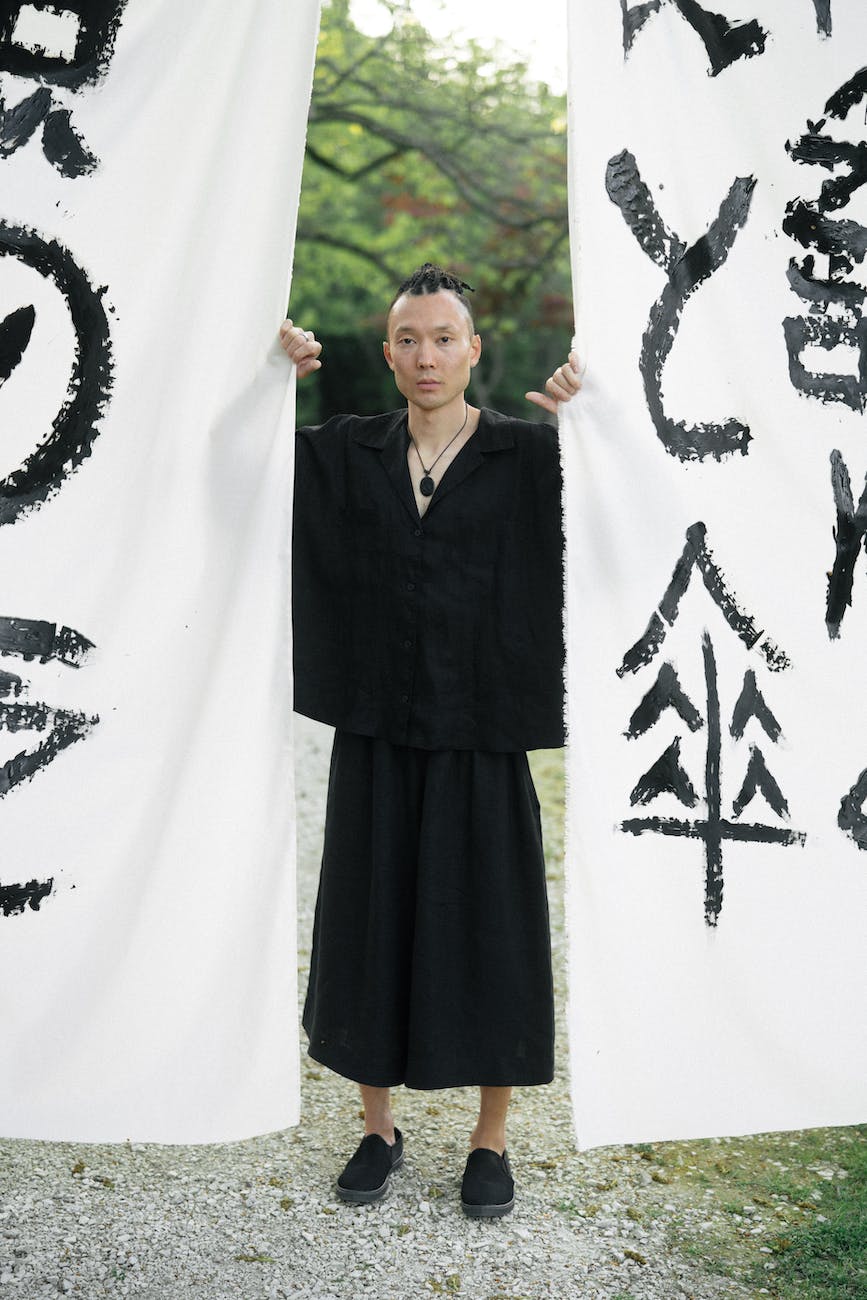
561	387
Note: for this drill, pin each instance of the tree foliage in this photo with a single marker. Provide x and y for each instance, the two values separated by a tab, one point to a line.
418	152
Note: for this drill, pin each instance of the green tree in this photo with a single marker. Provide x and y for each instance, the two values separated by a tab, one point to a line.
420	152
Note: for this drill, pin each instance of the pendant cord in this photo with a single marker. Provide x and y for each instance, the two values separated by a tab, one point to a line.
445	448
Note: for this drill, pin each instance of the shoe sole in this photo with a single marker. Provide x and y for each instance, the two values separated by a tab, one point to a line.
359	1197
487	1211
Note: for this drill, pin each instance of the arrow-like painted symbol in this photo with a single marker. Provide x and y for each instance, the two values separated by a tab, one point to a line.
665	776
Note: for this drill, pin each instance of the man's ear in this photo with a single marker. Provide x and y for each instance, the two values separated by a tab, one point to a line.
386	352
475	349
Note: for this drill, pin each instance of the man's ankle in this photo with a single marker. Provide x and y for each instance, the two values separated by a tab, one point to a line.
385	1130
490	1142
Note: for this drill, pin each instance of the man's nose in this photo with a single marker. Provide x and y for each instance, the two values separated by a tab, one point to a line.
426	354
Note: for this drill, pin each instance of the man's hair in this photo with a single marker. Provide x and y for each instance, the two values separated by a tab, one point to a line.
432	279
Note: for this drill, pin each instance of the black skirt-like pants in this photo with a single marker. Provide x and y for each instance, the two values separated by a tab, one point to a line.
431	961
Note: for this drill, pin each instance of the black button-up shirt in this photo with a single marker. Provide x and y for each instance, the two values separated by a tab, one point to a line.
445	631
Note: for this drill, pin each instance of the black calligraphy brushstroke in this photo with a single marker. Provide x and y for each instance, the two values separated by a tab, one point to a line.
676	589
61	143
816	150
97	30
823	292
15	898
64	147
828	332
758	778
807	223
665	693
628	191
851	817
823	16
666	776
15	333
696	553
735	831
36	639
687	268
10	684
848	535
713	836
64	728
850	93
634	18
18	124
751	704
724	42
75	426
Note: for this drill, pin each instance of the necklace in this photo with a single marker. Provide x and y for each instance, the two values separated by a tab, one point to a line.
427	484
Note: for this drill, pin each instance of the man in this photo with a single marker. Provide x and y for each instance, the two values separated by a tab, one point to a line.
427	608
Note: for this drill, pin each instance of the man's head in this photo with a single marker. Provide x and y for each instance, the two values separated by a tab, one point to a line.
433	279
432	345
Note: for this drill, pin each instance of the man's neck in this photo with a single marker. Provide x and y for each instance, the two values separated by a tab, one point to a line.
431	430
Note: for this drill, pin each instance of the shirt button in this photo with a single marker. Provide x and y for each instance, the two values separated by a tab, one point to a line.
410	586
416	532
404	699
407	645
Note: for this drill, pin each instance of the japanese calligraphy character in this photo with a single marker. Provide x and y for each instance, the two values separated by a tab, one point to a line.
686	268
75	426
35	639
836	301
667	774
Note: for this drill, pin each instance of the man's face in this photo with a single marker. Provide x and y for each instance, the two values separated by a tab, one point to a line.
431	348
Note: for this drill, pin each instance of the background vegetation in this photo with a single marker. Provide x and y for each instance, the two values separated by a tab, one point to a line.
417	152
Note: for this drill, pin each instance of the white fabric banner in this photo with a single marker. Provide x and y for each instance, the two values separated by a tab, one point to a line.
150	161
717	823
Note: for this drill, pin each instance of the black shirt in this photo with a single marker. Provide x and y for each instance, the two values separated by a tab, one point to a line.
445	631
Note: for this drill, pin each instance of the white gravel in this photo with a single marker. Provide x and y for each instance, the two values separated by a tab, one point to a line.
259	1220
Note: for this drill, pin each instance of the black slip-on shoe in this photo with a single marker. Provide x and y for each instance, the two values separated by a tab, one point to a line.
366	1175
488	1189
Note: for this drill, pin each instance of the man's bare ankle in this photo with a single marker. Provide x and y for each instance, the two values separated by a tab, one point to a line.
490	1142
384	1130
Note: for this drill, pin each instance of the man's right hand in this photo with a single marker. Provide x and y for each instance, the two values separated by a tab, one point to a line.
301	347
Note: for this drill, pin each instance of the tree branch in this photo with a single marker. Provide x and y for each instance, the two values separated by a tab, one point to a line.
359	172
347	246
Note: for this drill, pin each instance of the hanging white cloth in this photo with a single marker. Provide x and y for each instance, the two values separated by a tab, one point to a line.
717	820
150	177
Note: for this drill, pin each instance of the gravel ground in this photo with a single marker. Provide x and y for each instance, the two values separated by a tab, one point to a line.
260	1219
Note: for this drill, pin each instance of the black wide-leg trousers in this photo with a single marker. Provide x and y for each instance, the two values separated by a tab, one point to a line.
431	961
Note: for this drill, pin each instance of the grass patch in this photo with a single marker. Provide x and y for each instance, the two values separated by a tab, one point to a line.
827	1258
795	1209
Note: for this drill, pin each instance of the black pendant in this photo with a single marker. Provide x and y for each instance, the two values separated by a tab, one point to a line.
426	486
